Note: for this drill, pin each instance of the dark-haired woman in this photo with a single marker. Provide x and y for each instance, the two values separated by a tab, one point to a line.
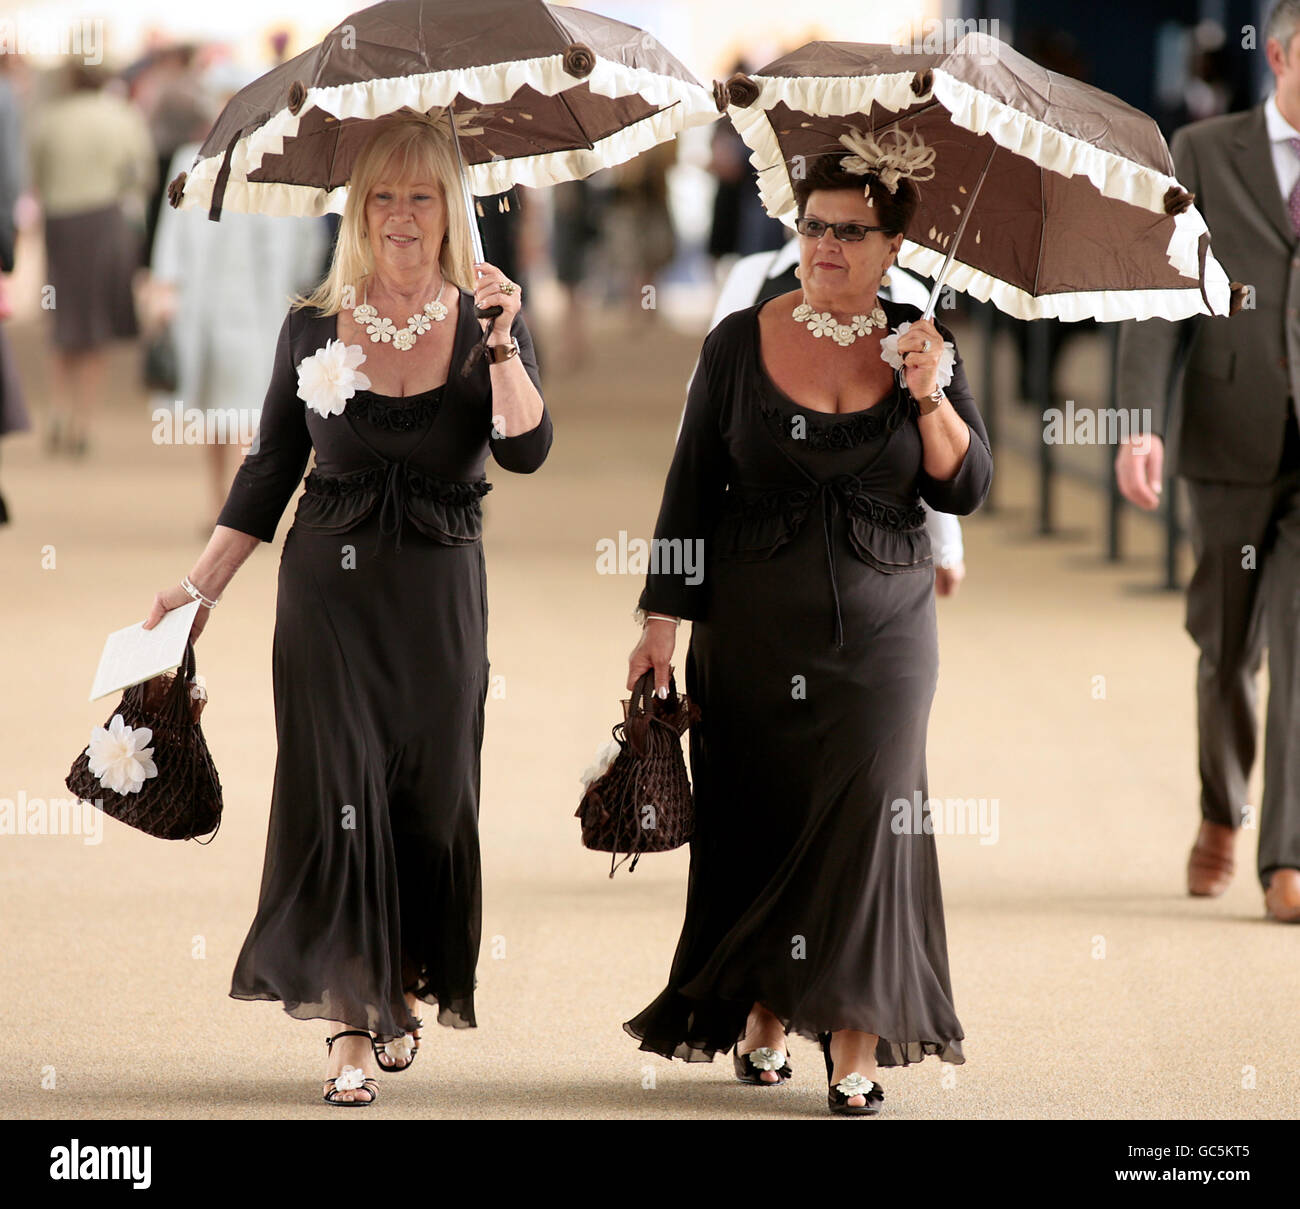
814	904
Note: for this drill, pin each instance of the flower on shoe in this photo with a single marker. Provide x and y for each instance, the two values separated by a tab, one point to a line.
855	1085
329	378
947	357
605	757
352	1078
767	1058
118	756
401	1049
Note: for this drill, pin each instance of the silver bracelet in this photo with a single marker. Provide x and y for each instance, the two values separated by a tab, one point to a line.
640	616
194	594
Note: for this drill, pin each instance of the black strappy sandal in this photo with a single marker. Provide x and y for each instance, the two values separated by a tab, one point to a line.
368	1084
839	1094
383	1049
747	1071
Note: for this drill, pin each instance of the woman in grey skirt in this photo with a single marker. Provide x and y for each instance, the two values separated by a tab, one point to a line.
91	155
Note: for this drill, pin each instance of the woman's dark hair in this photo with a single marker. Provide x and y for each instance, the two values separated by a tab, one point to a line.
894	211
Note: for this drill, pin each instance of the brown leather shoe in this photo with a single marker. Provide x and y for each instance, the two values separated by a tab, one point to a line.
1211	863
1282	898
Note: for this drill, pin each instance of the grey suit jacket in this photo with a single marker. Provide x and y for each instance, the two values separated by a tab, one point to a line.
1239	372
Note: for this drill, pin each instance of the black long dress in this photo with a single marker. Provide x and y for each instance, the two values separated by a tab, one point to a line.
371	882
814	659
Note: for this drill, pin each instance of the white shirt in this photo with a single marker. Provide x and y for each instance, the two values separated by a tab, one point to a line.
1285	161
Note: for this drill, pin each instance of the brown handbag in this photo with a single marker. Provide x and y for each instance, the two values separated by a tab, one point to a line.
642	802
184	800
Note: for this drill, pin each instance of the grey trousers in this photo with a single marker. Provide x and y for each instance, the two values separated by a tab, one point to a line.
1245	597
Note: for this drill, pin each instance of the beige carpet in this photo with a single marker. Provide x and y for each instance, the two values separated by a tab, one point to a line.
1087	983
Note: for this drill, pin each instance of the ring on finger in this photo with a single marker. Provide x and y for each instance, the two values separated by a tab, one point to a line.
507	287
925	347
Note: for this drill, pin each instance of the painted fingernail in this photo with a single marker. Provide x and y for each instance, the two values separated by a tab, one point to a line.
663	693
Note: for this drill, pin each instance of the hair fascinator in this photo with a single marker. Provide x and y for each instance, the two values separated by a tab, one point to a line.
894	156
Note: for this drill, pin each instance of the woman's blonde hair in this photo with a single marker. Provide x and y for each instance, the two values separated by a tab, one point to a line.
422	149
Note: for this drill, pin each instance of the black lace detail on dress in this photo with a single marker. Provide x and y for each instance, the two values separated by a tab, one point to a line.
396	415
418	482
789	501
840	433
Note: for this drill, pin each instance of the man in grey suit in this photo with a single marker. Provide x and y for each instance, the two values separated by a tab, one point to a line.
1238	452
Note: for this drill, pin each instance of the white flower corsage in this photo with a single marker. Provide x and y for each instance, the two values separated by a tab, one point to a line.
767	1058
352	1079
855	1085
329	378
119	757
889	352
604	758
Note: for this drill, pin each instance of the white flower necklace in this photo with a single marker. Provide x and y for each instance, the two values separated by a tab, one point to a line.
380	328
823	323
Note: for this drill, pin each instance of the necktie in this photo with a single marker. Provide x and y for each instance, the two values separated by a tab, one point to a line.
1293	202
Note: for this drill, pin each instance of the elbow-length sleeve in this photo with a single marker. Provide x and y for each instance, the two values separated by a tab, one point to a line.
968	488
677	582
525	451
268	476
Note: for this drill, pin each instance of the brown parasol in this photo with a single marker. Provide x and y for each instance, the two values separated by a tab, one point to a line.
1061	197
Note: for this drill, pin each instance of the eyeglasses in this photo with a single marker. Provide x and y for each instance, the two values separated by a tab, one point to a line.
846	232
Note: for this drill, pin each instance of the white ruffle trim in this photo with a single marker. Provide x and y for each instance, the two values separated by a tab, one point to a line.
686	105
1106	306
1113	175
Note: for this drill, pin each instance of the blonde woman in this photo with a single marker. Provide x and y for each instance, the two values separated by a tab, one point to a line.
370	898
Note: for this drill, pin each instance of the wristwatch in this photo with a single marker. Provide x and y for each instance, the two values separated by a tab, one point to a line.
496	353
931	402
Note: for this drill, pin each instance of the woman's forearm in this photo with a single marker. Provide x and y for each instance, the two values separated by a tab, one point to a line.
225	553
945	437
516	405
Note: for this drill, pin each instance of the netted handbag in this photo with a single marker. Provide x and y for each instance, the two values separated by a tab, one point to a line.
180	798
641	802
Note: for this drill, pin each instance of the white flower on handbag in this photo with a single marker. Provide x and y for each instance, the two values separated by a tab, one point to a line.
855	1085
329	378
119	757
352	1079
767	1058
605	756
947	357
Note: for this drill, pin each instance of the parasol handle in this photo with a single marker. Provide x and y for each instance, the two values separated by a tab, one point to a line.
928	313
467	199
956	238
